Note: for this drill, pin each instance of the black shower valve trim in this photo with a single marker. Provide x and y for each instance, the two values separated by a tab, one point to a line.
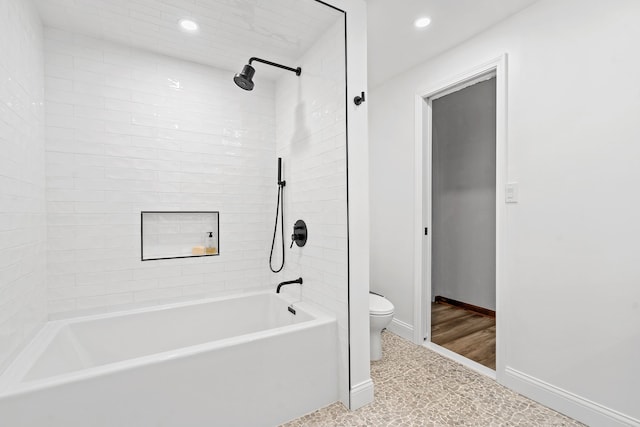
300	234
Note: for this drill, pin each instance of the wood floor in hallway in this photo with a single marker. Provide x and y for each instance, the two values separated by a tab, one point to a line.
465	332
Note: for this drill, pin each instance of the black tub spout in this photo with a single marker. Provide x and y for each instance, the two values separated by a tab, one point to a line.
298	280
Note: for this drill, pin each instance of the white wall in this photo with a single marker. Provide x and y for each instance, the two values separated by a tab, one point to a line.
311	139
358	194
22	182
463	228
571	258
129	131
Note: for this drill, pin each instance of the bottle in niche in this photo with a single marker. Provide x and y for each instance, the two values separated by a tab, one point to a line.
210	249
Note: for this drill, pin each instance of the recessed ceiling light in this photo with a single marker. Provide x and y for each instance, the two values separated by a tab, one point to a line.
188	25
422	22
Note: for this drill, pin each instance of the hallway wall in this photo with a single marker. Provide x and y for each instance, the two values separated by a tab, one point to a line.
463	227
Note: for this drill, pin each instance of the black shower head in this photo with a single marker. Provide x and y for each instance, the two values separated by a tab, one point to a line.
244	78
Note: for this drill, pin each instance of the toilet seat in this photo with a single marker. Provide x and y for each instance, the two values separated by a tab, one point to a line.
379	306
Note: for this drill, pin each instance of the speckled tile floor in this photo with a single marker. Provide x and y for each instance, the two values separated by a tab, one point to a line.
415	386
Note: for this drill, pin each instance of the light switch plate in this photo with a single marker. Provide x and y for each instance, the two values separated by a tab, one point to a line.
511	193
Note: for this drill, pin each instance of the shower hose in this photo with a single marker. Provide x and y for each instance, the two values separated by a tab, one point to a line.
275	229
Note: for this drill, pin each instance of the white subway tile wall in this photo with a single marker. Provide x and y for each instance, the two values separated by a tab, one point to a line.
130	131
23	307
311	139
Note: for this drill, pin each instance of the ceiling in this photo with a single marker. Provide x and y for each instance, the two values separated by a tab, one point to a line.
396	45
231	31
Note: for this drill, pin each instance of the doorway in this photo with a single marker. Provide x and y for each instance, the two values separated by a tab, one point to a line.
460	214
463	218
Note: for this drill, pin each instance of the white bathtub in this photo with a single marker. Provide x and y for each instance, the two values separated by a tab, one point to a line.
234	361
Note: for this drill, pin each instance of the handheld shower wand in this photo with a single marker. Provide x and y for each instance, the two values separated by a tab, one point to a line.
280	181
280	211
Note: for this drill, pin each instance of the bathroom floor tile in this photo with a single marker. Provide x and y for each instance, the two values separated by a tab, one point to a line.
415	386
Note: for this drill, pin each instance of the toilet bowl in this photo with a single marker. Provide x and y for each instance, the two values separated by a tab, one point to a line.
380	315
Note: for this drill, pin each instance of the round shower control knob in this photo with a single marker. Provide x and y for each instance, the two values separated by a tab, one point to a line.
299	236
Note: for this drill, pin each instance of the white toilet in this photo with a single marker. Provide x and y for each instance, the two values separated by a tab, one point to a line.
380	315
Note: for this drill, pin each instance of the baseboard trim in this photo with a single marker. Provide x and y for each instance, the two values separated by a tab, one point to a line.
361	394
401	329
466	306
563	401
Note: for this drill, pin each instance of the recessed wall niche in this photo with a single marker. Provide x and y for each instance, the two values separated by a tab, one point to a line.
179	234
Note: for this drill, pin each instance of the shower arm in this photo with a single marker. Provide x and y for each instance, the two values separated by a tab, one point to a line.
298	70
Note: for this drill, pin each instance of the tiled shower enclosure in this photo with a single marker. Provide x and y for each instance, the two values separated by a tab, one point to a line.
115	111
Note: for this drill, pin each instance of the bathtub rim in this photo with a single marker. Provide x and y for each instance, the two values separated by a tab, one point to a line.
11	383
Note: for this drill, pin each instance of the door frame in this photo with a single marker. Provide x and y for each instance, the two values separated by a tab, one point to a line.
423	202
